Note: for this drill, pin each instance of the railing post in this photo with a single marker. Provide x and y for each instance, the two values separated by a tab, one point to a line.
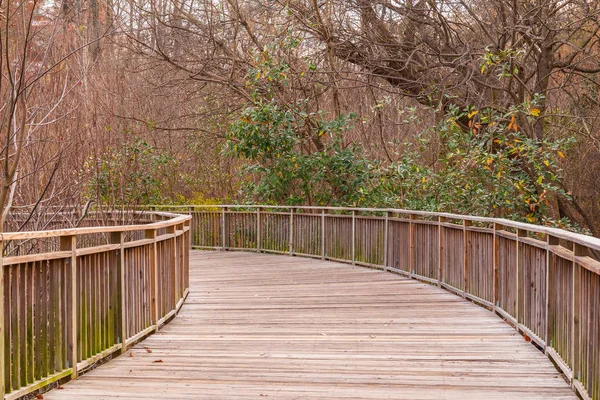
466	257
578	250
495	263
258	238
223	229
180	241
550	241
411	240
2	330
385	240
323	234
186	259
519	297
353	237
69	243
191	224
173	260
291	237
119	237
441	221
155	316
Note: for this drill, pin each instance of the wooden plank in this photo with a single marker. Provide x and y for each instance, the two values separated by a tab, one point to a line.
268	326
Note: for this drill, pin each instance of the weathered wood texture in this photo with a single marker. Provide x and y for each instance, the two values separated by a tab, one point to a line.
269	326
544	281
64	310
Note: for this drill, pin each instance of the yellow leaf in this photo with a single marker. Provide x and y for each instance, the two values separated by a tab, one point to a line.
490	161
472	114
423	180
561	154
535	112
546	163
499	174
513	124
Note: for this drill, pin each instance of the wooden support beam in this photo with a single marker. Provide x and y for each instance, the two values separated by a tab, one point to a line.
258	229
323	234
386	239
69	243
119	238
441	250
154	306
173	261
519	282
495	262
466	262
224	221
411	261
291	236
353	237
3	344
576	335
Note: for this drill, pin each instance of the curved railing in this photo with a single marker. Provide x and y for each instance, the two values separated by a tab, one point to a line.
543	281
80	295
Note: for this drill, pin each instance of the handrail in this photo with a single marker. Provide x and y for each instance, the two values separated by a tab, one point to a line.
65	309
543	281
584	240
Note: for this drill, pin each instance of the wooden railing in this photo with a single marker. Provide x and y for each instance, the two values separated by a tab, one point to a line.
96	291
543	281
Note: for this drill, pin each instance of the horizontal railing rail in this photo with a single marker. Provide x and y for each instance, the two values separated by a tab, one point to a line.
80	295
544	281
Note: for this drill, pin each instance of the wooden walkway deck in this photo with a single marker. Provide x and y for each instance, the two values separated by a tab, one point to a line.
261	326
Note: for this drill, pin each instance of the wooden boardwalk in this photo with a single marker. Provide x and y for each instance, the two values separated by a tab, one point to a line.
259	326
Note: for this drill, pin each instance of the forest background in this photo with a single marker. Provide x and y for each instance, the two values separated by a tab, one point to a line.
484	107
